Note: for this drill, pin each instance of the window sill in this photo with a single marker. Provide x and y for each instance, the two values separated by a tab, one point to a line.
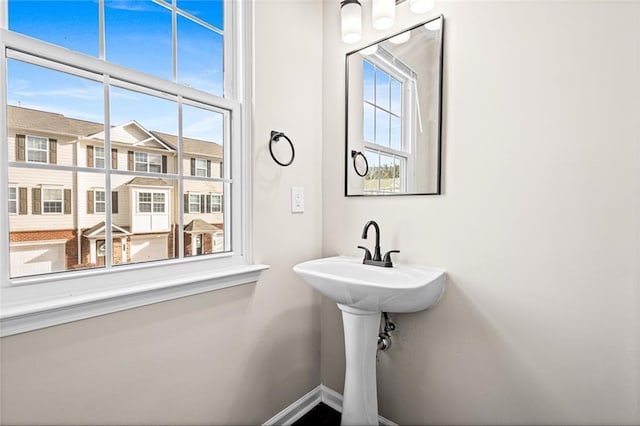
35	306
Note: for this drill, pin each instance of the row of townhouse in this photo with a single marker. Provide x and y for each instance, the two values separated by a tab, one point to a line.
57	214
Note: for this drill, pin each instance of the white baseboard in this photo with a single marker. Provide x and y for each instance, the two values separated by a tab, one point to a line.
303	405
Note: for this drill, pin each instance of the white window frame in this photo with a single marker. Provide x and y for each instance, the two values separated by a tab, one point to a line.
43	200
218	204
152	202
204	169
407	78
41	301
96	203
97	157
29	138
188	206
150	159
14	199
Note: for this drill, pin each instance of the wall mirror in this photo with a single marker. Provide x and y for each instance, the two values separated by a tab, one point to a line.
394	114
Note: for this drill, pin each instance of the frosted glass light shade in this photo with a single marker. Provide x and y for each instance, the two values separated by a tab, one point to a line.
400	38
351	21
383	14
369	50
420	6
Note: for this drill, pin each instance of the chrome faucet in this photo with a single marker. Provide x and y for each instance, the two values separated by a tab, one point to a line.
377	259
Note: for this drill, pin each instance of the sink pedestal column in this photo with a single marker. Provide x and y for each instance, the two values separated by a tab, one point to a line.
360	399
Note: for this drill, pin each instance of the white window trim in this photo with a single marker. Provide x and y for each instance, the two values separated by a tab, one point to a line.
148	163
26	149
38	304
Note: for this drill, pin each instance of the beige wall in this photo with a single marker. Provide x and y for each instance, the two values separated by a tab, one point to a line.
538	226
234	356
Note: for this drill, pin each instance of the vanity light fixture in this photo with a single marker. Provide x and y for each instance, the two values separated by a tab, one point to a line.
351	21
383	15
400	38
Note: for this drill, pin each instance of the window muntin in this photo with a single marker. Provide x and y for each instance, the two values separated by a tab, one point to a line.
52	200
13	200
148	162
37	149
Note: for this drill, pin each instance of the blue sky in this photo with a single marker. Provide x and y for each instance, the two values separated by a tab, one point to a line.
138	35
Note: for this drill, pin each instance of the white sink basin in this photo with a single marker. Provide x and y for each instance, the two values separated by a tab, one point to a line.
403	288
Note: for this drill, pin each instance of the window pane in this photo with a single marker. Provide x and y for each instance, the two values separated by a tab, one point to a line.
368	80
70	24
382	127
396	133
368	122
138	36
210	12
200	57
382	89
387	173
206	219
203	137
371	179
396	96
41	89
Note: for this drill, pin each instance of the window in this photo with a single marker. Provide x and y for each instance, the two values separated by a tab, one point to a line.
143	81
194	203
52	200
148	162
37	149
13	200
151	202
216	203
201	167
387	119
98	157
100	202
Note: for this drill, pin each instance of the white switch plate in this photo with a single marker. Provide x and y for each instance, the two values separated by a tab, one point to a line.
297	199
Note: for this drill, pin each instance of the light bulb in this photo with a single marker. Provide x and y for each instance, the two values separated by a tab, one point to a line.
351	21
420	6
383	14
433	25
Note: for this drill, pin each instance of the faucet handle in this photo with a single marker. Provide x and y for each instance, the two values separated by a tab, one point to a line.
387	256
367	253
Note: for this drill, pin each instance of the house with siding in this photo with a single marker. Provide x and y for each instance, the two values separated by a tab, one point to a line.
57	215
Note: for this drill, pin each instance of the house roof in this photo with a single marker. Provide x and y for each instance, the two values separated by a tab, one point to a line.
26	119
197	226
48	122
146	181
98	230
192	146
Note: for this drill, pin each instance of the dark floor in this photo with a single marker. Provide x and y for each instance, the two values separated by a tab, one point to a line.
320	415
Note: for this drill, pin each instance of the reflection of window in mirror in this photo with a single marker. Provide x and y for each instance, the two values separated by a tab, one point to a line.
388	116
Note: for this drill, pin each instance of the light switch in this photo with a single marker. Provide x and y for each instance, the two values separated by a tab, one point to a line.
297	199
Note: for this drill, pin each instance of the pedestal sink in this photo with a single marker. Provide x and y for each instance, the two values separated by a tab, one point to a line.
362	292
